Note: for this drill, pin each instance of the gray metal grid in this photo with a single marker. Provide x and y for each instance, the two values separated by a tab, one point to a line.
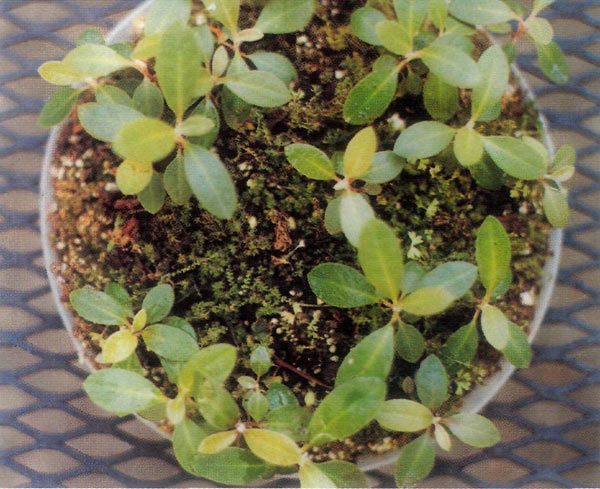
51	435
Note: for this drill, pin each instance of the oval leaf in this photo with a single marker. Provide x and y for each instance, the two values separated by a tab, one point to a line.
468	147
145	140
385	167
359	153
153	196
423	140
95	60
515	157
456	277
169	342
274	63
493	253
495	327
452	65
310	161
432	382
118	346
364	22
175	182
440	98
232	466
415	461
473	429
371	96
341	286
283	16
260	88
148	99
58	73
404	415
275	448
553	62
556	206
158	302
355	212
105	121
462	344
481	12
59	106
217	442
133	177
495	72
517	350
427	301
162	13
98	307
409	343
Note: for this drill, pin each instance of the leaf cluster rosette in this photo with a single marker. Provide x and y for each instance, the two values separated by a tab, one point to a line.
175	88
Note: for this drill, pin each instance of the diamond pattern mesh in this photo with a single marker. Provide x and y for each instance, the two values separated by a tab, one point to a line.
51	435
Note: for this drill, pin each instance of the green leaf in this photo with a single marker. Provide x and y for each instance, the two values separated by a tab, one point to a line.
206	42
432	382
207	109
210	181
413	273
423	140
394	37
359	153
145	140
517	350
119	294
148	99
186	440
451	64
385	167
381	258
289	419
333	223
274	63
227	12
107	94
415	461
468	147
182	324
456	277
481	12
503	286
119	391
311	476
495	72
409	343
214	362
346	410
283	16
232	466
473	429
217	442
440	98
169	342
279	395
553	62
310	161
147	47
427	301
371	357
495	327
565	157
371	96
58	73
273	447
260	361
175	182
336	473
260	88
195	125
541	4
487	174
178	66
404	415
159	302
493	253
540	30
364	22
95	60
132	177
163	13
462	344
235	110
59	106
153	196
341	286
216	405
97	307
140	320
437	12
90	36
556	206
131	363
411	14
256	405
106	121
355	212
515	157
118	346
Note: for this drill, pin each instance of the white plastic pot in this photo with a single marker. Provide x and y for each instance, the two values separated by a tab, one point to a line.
474	401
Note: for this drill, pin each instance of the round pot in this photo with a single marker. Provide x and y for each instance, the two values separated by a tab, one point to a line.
473	402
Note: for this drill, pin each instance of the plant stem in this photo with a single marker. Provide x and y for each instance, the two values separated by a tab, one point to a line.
287	366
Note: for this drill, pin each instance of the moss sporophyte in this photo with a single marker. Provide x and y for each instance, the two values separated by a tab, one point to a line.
233	311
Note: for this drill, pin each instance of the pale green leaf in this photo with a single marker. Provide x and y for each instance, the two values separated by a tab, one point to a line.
250	35
95	60
442	437
336	473
553	62
186	440
359	153
147	47
59	106
207	109
97	307
217	442
364	22
107	94
541	4
495	72
220	61
411	14
145	140
119	294
440	98
216	405
132	177
283	16
58	73
153	196
540	30
260	360
515	157
428	301
481	12
274	63
148	99
260	88
494	325
385	167
273	447
404	415
394	37
332	219
256	405
140	320
195	125
415	461
175	182
169	342
556	206
371	357
565	157
355	212
493	253
341	286
346	410
90	36
456	277
473	429
310	161
163	13
210	182
214	362
311	476
371	96
437	12
119	391
105	121
289	419
432	382
413	273
409	343
468	147
118	346
423	140
451	64
381	258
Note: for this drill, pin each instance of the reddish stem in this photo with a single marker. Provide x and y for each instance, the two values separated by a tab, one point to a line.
286	365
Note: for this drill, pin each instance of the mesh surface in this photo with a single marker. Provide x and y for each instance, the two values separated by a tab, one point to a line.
51	435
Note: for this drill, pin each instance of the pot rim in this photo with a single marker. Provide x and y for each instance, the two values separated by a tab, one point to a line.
473	402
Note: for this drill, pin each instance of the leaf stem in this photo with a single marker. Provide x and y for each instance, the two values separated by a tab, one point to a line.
306	376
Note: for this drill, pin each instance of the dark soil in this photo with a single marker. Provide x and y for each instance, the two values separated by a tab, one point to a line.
244	281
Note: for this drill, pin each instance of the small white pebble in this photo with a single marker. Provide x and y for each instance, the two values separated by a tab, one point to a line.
524	208
332	349
339	74
252	222
397	123
242	166
111	187
200	19
301	40
79	163
527	298
60	245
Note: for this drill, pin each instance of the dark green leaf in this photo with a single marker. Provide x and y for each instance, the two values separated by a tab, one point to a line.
290	419
256	405
98	307
413	273
487	174
90	36
415	461
364	22
553	62
409	343
279	395
432	382
341	286
153	196
119	294
517	350
59	106
169	342
371	96
181	324
371	357
493	253
441	98
462	344
232	466
186	440
411	14
260	361
175	182
148	99
346	410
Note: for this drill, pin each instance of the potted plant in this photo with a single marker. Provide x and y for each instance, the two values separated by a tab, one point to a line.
296	234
